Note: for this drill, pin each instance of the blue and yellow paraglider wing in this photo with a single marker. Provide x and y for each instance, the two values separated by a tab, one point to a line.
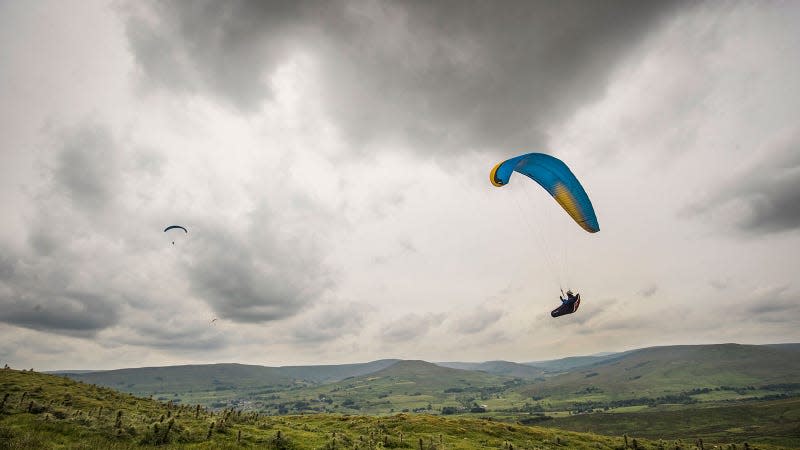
552	174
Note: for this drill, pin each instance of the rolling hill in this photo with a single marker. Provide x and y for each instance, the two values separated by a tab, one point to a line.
431	376
331	373
402	387
221	377
572	362
189	378
672	370
504	368
671	374
770	421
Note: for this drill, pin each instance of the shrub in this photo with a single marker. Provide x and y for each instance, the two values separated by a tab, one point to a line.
280	442
35	408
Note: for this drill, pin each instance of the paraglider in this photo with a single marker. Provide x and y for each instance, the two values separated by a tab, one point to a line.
176	227
558	180
568	305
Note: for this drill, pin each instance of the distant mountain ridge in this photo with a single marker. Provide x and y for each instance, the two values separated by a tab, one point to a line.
506	368
334	372
651	371
676	369
426	376
221	376
574	362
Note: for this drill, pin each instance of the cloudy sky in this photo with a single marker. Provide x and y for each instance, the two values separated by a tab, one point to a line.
331	159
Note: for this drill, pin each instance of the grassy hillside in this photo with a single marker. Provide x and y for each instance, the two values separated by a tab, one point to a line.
430	376
331	373
41	411
775	422
190	378
792	347
504	368
675	371
405	386
220	377
572	362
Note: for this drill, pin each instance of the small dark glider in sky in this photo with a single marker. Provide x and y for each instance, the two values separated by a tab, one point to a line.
176	227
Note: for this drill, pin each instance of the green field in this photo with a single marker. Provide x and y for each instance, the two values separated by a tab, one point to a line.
776	422
662	371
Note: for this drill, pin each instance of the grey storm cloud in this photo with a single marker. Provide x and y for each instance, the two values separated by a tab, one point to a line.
778	306
764	198
179	50
7	264
774	305
200	336
448	74
774	203
86	167
257	277
43	285
80	314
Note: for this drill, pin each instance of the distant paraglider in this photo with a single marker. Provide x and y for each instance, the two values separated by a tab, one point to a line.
175	227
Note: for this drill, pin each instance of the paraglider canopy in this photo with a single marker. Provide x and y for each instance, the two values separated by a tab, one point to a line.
552	174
